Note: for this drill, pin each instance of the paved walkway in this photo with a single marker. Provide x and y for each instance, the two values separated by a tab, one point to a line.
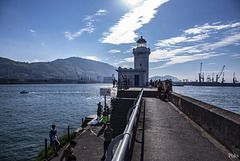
169	137
89	147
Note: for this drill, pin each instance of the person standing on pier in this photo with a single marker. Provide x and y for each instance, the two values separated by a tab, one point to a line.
99	111
53	139
68	152
108	132
159	85
105	116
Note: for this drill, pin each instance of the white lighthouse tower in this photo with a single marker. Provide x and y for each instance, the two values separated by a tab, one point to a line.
141	58
138	77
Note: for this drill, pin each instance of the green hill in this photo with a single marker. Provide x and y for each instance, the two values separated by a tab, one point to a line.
70	68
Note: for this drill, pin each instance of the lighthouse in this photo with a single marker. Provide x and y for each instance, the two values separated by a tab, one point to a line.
141	57
138	77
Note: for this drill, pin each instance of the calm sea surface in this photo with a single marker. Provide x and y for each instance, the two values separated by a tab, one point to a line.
27	118
224	97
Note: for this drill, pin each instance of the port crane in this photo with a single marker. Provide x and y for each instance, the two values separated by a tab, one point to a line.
208	78
218	76
201	74
223	80
234	78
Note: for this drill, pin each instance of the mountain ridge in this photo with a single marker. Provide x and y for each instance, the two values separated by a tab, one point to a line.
69	68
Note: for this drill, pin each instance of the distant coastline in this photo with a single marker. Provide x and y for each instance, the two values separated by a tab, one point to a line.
47	81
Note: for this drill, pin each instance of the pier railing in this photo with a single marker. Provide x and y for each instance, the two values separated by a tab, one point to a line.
124	138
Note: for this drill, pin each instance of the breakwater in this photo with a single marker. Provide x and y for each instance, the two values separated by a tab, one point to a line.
221	124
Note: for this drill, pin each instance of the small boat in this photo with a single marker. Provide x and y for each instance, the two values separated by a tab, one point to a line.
24	92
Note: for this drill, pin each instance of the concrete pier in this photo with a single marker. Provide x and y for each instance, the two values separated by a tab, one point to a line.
169	136
163	133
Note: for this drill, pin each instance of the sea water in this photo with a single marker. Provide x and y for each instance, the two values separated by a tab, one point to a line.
224	97
26	119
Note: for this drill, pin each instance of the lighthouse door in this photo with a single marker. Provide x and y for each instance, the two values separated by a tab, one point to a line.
136	77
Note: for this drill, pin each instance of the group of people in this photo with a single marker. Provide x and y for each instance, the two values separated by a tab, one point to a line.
108	131
124	83
104	114
114	81
164	88
68	152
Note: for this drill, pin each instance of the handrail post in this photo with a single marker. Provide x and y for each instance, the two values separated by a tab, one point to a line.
46	148
68	134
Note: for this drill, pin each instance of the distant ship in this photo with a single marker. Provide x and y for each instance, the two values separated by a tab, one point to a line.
24	92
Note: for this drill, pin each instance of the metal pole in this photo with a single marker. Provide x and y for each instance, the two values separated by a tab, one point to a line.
105	101
45	148
68	134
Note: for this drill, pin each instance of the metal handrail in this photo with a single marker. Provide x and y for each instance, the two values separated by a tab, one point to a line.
125	137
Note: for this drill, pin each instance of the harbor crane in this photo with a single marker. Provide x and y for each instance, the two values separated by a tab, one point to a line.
234	78
208	78
201	75
218	76
223	80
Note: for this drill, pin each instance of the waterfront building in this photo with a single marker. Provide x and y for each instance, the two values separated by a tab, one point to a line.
137	77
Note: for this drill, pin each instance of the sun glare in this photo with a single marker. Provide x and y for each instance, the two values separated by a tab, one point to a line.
132	3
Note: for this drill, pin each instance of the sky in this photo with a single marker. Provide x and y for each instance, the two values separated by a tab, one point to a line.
181	34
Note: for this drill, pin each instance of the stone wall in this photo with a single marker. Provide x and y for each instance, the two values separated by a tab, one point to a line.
221	124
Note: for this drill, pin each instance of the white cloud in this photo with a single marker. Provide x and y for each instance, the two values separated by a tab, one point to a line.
123	30
226	41
101	12
236	55
89	27
187	58
114	51
32	31
36	61
130	60
198	37
171	41
181	39
92	58
211	63
127	62
183	48
207	28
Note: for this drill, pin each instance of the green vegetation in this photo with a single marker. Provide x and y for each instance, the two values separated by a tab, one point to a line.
63	142
68	68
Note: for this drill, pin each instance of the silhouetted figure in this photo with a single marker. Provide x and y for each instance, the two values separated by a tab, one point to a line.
108	132
99	111
53	139
105	116
68	152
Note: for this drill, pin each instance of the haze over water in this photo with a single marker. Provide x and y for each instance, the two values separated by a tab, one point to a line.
26	118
